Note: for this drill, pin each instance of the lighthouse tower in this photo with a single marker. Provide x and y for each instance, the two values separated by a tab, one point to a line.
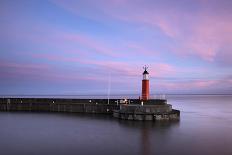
145	84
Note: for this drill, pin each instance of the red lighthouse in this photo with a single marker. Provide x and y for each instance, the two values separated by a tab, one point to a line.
145	84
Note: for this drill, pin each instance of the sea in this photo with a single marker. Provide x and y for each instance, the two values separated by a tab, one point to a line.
205	128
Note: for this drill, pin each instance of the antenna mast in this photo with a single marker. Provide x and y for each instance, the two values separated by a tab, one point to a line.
109	87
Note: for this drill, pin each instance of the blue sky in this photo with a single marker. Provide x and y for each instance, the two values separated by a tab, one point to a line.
75	46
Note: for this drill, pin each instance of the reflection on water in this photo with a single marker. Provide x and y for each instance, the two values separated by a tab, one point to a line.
204	128
146	129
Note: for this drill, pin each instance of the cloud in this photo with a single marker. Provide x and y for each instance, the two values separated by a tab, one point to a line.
5	64
195	30
186	44
192	86
17	72
118	67
93	44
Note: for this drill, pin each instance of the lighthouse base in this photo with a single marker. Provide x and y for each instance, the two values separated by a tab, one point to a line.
174	115
147	112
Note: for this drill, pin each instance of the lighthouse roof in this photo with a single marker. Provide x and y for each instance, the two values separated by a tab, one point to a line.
145	71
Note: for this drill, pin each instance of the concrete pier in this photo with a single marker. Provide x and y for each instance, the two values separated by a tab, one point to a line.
173	115
146	111
130	109
100	106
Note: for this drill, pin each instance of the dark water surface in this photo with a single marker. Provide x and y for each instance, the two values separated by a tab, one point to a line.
205	128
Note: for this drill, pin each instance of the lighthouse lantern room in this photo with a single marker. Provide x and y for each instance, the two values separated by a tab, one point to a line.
145	84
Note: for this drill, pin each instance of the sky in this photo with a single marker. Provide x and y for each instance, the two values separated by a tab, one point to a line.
74	47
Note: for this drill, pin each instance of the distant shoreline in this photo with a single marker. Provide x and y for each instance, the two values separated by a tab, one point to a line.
122	96
97	94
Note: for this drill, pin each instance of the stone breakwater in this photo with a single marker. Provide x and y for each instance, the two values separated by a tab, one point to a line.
130	109
100	106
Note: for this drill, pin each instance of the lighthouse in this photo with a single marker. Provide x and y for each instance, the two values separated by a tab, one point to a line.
145	84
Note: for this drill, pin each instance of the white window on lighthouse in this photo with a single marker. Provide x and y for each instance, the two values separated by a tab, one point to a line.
145	76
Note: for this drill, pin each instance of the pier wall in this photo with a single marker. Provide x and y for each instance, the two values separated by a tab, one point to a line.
101	106
133	110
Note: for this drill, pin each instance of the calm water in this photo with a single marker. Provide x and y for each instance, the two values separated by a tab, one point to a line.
205	128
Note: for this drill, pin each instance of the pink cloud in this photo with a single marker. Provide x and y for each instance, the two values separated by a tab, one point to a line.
55	57
186	85
196	86
108	9
139	48
94	44
201	33
42	72
5	64
124	68
69	42
210	34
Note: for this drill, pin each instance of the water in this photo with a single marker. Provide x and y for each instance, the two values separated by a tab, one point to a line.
204	129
